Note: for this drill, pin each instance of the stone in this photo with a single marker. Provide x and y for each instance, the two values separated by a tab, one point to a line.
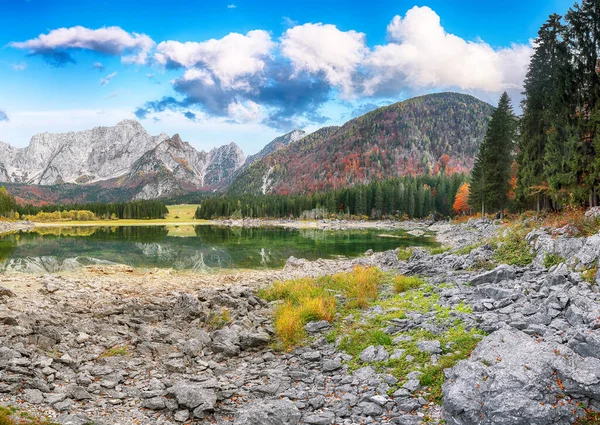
323	418
268	412
374	354
154	403
33	396
331	365
64	405
254	339
432	347
193	395
370	409
500	273
316	327
512	378
74	419
181	415
80	393
175	365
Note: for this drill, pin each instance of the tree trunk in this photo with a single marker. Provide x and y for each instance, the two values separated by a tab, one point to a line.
482	209
538	203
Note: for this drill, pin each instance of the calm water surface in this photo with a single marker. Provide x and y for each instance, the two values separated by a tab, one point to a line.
198	248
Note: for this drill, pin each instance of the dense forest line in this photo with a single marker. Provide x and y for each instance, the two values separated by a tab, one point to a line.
413	197
145	209
8	205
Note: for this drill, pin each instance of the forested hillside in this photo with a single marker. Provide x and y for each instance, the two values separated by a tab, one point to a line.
408	196
424	135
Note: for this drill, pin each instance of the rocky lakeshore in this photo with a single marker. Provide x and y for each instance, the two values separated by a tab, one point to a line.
15	226
115	346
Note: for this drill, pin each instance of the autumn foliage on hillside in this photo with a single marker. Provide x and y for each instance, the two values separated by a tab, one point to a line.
433	134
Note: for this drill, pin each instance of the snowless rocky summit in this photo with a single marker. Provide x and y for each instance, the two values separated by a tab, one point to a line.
123	154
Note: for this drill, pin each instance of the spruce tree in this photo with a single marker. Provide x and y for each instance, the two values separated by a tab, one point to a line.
490	179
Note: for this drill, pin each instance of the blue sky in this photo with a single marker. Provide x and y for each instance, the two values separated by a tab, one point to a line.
247	71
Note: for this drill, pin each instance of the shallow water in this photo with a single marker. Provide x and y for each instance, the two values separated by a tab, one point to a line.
198	248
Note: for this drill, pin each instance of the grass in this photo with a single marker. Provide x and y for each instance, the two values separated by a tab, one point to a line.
119	350
404	283
551	260
310	299
467	249
512	248
575	217
589	275
405	254
217	320
7	417
439	250
457	342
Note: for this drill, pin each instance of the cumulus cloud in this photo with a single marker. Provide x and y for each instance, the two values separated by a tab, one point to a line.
284	83
3	116
231	6
324	49
22	66
54	47
421	54
228	59
98	66
104	81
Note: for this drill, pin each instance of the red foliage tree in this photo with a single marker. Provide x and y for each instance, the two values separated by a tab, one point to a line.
461	204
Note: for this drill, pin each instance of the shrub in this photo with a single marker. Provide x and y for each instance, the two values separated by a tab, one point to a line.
551	260
405	283
512	248
439	250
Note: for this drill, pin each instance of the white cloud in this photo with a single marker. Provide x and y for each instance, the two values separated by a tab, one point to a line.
421	55
133	47
104	81
231	6
318	48
22	66
248	111
228	59
98	66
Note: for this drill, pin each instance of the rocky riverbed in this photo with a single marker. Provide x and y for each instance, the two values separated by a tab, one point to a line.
115	346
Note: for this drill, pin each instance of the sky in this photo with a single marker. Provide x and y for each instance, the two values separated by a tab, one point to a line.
246	71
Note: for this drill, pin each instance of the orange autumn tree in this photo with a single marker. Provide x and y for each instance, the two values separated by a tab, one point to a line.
461	202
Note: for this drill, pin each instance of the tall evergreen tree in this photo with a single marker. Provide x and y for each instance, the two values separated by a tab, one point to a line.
490	179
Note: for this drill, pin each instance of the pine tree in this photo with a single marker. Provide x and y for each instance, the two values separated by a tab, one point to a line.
490	179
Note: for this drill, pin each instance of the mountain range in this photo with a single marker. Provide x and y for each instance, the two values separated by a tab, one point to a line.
427	134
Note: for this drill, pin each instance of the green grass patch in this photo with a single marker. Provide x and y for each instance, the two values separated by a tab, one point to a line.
551	260
439	250
405	254
404	283
467	249
512	248
10	415
219	319
120	350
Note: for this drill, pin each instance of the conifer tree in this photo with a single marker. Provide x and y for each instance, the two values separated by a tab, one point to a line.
490	180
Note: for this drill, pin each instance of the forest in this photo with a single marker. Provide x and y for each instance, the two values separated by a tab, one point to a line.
146	209
558	151
401	197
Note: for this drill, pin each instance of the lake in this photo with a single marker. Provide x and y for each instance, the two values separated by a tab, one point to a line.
197	248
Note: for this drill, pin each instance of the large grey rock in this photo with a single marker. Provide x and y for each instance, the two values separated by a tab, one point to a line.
514	379
500	273
192	395
320	326
374	354
275	412
433	347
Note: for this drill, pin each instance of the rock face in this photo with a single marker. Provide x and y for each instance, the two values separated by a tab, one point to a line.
511	378
121	156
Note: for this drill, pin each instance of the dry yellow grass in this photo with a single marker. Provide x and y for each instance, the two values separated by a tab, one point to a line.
405	283
309	299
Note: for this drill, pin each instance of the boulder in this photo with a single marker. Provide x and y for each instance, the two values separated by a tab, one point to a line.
374	354
275	412
192	395
500	273
514	379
